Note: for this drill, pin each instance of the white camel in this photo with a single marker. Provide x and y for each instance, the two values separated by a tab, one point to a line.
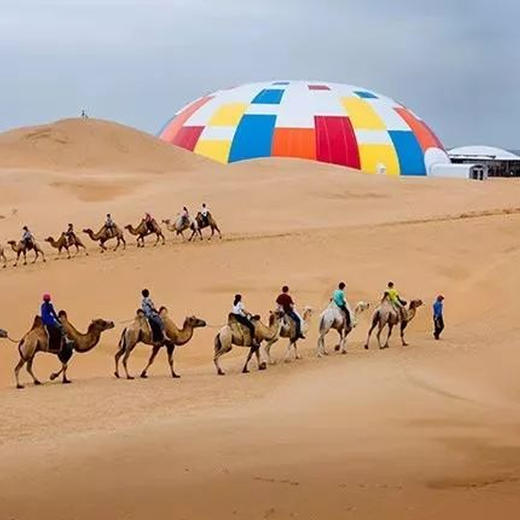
180	225
333	318
288	330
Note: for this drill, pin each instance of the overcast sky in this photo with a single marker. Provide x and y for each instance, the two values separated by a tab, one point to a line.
454	62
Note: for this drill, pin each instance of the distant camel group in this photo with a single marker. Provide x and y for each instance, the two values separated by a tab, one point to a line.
232	334
67	241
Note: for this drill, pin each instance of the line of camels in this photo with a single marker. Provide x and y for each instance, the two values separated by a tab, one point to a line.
66	242
232	334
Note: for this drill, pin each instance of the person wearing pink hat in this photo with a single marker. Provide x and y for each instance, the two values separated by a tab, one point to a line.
52	323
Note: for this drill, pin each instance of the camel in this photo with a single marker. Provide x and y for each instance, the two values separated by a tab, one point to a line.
386	315
3	257
235	333
3	333
103	235
20	248
143	230
288	330
180	226
64	242
333	318
37	340
141	332
203	223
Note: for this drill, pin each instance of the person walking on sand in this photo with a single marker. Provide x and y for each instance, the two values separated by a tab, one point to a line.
438	316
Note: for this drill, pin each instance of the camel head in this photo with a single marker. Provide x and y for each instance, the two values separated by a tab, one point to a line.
194	322
361	307
88	231
3	333
166	221
49	239
12	242
307	312
100	325
414	304
275	316
62	315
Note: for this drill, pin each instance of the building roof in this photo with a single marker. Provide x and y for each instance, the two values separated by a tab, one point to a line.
482	153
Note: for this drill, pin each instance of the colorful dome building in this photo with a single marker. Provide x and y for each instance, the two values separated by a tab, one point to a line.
318	121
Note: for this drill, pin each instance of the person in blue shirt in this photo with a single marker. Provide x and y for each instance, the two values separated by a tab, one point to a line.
438	316
338	297
52	323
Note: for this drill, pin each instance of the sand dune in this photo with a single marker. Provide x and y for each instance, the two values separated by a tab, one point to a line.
77	144
430	431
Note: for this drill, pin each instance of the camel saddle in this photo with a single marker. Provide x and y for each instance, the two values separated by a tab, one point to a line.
241	331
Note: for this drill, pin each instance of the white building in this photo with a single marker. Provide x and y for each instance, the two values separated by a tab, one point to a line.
499	162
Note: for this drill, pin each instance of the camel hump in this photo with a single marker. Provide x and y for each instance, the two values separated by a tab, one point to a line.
37	323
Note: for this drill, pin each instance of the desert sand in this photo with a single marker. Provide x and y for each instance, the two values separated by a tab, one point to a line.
424	432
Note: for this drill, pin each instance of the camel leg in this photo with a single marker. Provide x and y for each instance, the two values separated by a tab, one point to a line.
117	357
36	254
102	246
262	365
57	374
378	335
17	369
24	258
320	350
337	348
245	370
117	244
268	351
30	371
64	379
374	324
125	361
155	351
403	341
343	342
390	327
68	252
220	350
288	351
171	350
296	353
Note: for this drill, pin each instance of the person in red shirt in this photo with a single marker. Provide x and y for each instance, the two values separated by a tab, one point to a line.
287	304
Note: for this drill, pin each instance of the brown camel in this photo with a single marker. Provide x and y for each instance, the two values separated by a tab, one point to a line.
21	248
203	223
387	315
235	333
143	230
3	333
37	340
288	331
104	235
141	332
65	242
181	225
3	257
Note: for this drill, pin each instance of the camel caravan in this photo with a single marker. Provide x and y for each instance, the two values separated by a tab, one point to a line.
112	233
53	333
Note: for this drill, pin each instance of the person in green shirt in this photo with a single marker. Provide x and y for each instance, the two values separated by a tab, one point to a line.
338	297
395	300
